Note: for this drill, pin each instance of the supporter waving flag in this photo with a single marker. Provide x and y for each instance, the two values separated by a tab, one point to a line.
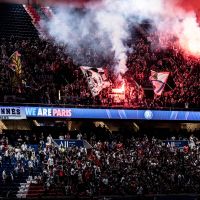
96	79
140	90
16	63
159	80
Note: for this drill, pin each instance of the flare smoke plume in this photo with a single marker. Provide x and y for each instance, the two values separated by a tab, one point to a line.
109	24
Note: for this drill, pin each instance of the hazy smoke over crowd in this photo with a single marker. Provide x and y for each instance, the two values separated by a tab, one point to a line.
109	22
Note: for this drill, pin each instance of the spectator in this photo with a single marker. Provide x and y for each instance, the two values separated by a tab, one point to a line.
60	73
137	165
67	136
4	176
79	136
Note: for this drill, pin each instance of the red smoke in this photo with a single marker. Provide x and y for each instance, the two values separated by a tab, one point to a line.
191	37
190	5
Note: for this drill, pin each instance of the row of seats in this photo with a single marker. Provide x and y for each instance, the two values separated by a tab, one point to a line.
16	21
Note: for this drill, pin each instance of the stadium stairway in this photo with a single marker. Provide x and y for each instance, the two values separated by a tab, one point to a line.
26	184
34	16
33	13
38	14
10	188
16	22
37	190
23	190
33	189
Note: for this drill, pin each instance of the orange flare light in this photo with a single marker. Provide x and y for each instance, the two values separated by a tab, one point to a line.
119	90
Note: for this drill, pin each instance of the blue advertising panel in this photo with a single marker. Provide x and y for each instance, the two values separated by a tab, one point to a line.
24	112
176	143
90	113
69	143
12	113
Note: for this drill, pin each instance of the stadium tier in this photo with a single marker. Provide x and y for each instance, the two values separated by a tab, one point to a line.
46	158
35	68
100	100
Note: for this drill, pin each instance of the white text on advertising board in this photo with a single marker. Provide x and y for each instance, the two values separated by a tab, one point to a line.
12	113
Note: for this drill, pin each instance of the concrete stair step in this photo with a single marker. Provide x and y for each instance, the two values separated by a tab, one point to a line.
21	196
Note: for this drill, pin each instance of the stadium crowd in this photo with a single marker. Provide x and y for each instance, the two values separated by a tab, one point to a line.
51	76
136	165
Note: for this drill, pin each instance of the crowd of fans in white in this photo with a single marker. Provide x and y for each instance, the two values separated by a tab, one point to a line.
140	165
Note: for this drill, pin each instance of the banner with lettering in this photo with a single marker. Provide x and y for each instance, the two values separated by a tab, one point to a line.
95	113
69	143
176	143
12	113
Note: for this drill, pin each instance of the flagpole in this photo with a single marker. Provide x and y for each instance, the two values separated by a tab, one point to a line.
11	55
59	97
9	64
164	84
169	86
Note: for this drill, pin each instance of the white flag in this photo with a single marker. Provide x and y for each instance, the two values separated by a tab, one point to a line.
96	79
158	80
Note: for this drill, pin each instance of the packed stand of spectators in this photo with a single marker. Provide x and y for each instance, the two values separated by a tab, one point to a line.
129	166
17	161
47	68
138	166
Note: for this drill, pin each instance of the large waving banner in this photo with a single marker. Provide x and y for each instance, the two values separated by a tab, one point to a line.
96	79
159	80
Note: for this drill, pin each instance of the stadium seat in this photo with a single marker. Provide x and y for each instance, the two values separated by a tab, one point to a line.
16	21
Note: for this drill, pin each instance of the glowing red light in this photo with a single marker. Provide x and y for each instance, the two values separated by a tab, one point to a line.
120	90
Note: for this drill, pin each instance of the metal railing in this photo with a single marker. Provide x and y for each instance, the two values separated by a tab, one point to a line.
97	106
126	197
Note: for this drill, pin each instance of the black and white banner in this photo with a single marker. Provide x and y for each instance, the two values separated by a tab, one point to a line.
13	113
96	78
